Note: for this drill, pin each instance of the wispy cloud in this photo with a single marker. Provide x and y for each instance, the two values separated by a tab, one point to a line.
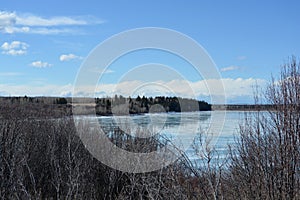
108	71
40	64
241	58
14	48
53	31
100	70
69	57
12	22
230	68
32	20
3	74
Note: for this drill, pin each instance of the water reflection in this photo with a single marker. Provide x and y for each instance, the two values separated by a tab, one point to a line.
181	127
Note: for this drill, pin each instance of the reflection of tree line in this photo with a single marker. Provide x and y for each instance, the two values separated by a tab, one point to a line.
111	124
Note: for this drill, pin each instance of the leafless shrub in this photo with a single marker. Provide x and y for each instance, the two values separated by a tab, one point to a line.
266	164
45	159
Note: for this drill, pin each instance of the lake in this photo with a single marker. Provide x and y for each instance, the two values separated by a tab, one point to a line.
219	127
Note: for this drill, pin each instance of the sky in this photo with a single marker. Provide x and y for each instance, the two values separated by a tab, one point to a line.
43	44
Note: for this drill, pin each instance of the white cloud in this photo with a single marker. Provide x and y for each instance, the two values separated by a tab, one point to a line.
11	22
230	68
14	48
233	88
239	88
68	57
36	90
7	19
40	64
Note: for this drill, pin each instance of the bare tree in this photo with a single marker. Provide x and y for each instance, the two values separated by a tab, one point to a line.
266	164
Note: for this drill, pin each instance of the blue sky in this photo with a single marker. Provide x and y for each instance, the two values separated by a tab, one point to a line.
43	44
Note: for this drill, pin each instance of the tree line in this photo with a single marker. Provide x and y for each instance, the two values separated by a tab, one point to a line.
119	104
122	105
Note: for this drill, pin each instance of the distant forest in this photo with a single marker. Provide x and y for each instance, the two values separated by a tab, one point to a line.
106	106
122	105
